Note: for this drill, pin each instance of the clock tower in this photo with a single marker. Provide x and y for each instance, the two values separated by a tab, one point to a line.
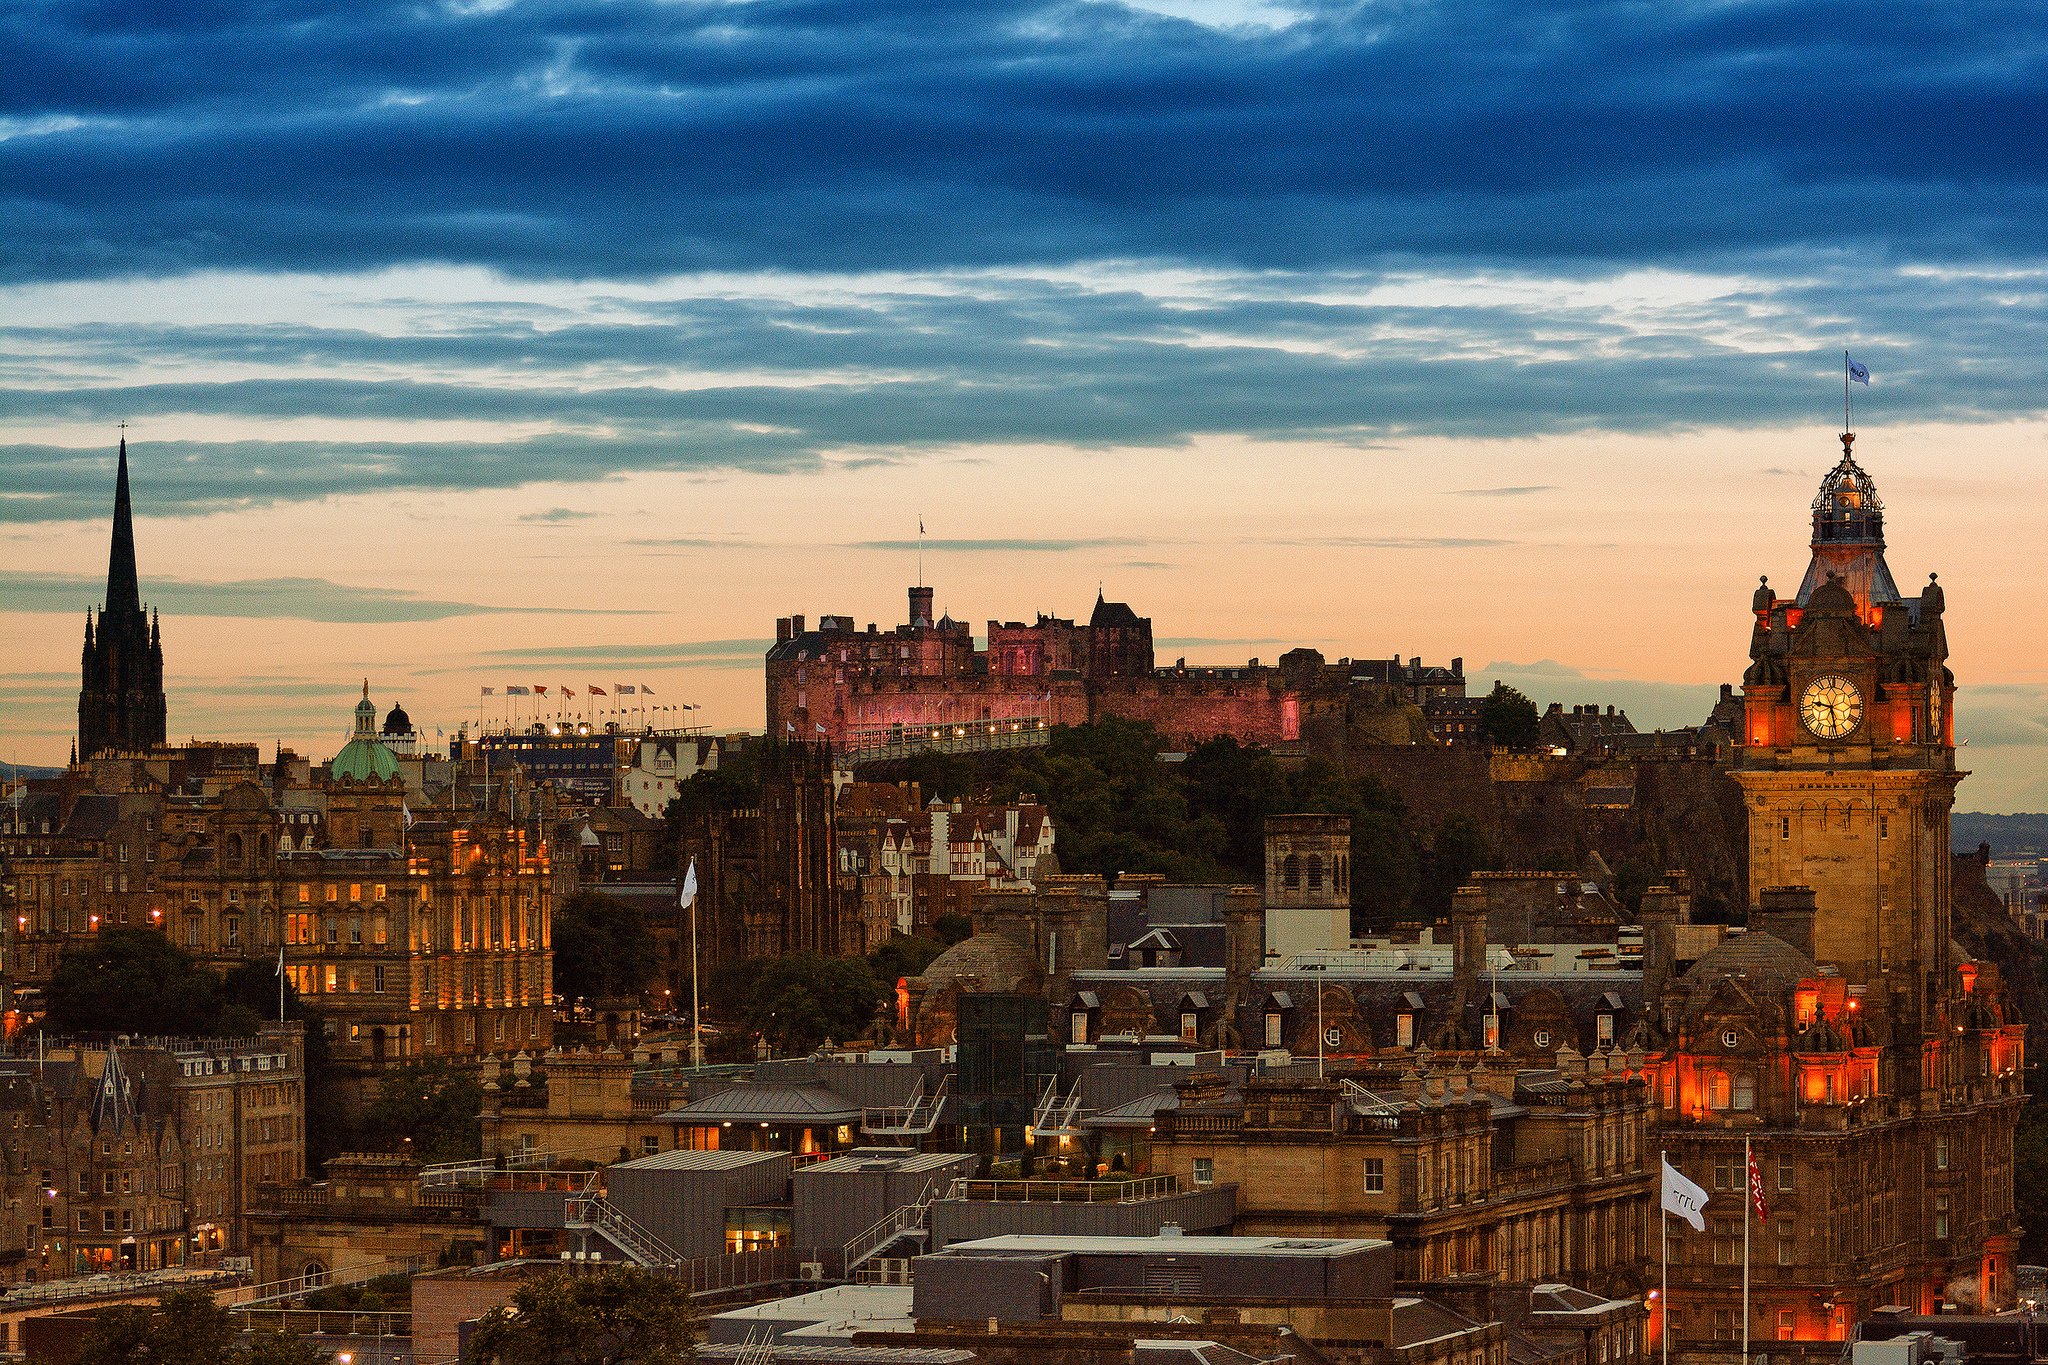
1847	760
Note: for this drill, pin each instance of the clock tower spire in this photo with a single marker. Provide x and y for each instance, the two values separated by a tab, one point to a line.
1847	761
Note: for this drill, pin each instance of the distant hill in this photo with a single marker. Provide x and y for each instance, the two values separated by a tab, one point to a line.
2010	836
12	771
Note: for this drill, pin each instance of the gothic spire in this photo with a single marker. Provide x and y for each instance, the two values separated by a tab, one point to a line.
124	595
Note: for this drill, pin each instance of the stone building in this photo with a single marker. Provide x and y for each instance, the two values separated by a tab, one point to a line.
415	923
1512	1175
149	1154
1874	1067
370	1211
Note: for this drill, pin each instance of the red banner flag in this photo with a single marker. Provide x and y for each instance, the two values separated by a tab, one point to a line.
1756	1191
596	691
568	691
540	689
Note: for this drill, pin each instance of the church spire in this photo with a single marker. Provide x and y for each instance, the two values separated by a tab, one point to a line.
123	592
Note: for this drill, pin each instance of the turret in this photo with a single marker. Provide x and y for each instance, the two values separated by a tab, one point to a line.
1468	946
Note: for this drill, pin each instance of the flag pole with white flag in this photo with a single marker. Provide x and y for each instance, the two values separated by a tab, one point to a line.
688	899
1682	1197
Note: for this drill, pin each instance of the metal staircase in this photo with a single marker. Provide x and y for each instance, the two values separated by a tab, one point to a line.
757	1349
589	1211
1057	1113
913	1120
909	1221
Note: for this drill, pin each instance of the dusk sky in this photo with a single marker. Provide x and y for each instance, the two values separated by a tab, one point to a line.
467	344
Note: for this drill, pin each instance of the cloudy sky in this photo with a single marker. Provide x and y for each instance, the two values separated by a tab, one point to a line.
466	344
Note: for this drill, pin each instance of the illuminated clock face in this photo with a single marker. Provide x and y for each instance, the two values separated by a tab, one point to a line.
1831	707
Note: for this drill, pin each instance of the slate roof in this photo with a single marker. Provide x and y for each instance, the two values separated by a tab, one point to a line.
767	1104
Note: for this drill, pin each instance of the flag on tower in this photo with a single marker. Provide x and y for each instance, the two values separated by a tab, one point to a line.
1859	372
1756	1191
645	690
518	691
596	691
568	691
623	689
1684	1198
490	691
540	689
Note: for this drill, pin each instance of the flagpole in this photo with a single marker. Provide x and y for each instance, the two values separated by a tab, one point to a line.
696	1011
1664	1251
1748	1198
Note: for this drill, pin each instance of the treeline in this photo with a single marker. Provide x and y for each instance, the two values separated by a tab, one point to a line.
1118	808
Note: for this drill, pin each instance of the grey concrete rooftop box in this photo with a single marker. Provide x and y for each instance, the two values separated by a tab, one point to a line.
834	1201
1316	1269
682	1196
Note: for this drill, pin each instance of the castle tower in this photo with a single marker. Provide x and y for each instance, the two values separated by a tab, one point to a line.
1847	760
121	688
1308	883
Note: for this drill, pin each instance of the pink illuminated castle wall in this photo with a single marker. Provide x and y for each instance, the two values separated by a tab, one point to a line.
851	687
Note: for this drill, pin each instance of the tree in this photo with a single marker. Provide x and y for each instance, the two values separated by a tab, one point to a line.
903	955
1507	718
622	1316
602	947
434	1104
800	1001
185	1328
133	981
1459	849
281	1348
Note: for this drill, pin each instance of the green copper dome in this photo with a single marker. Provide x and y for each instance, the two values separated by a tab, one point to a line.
363	758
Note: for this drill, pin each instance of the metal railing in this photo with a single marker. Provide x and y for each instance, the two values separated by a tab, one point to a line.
480	1171
896	1223
1068	1191
284	1291
119	1285
590	1211
1056	1113
915	1119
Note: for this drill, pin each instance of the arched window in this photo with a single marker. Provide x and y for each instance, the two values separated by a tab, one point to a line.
234	848
1290	872
1315	872
1719	1091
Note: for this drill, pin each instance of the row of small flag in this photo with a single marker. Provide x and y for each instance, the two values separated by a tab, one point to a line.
617	690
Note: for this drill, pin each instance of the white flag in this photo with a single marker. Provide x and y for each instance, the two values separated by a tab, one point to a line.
689	896
1684	1198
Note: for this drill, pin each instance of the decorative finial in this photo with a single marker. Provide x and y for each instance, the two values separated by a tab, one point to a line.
366	689
1848	439
1933	578
1764	579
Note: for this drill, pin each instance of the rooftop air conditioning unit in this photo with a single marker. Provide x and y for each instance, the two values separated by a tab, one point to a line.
811	1270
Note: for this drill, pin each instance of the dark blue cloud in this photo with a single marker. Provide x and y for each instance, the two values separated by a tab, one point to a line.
296	599
773	384
577	139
